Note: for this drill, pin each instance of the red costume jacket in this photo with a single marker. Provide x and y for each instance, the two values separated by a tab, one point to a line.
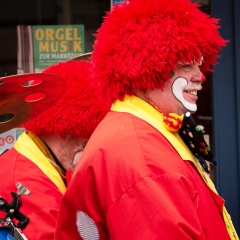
138	181
26	164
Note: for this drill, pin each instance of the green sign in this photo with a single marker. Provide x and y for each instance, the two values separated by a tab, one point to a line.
56	43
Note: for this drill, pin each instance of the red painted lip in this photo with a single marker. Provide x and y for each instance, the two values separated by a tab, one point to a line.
190	98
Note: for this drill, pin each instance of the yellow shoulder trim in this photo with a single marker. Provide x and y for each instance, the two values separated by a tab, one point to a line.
28	148
141	109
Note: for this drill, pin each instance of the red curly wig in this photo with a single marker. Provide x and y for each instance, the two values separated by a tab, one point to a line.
79	110
140	42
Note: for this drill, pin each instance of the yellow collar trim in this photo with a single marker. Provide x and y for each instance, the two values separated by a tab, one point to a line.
141	109
29	149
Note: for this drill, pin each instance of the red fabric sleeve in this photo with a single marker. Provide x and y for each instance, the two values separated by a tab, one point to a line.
44	227
163	207
42	205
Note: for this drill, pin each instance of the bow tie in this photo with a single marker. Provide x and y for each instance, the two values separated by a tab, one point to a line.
193	137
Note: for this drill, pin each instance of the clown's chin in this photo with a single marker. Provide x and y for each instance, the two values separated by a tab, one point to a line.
191	107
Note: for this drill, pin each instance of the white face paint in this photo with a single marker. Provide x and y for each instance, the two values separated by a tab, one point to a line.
178	87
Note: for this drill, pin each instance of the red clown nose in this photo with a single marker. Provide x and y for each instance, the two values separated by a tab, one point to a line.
203	78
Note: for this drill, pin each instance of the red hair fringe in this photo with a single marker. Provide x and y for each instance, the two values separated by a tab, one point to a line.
78	111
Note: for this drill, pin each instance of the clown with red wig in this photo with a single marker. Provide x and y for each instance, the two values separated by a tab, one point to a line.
44	156
139	177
